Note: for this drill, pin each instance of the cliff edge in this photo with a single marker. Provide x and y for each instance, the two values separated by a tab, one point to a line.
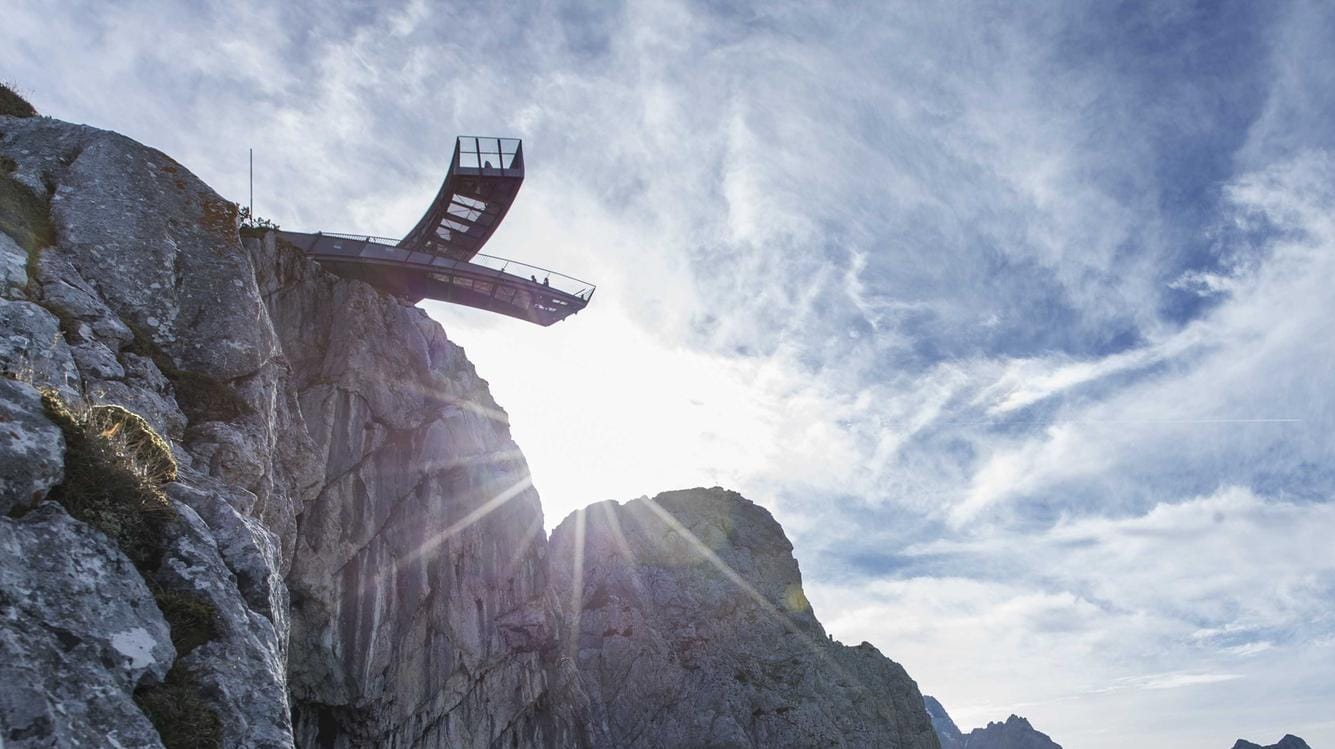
247	503
688	625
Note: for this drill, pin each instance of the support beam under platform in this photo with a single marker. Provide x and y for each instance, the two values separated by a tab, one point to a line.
490	283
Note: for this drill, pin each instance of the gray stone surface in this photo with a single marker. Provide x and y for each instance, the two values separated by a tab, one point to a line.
435	628
13	267
33	349
148	269
32	450
689	627
240	670
78	632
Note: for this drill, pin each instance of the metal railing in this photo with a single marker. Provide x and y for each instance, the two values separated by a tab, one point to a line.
524	271
489	153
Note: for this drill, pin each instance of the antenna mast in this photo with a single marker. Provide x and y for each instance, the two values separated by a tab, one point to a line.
252	185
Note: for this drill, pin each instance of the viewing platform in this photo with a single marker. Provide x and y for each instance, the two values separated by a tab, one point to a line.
440	258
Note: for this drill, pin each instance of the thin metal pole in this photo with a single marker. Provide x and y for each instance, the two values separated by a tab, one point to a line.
252	185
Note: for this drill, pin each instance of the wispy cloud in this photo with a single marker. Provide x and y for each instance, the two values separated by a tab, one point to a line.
1017	316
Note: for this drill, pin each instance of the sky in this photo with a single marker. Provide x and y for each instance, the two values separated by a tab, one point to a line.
1017	316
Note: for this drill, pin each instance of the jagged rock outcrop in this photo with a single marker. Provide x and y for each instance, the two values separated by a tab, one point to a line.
687	621
1014	733
330	439
355	555
145	300
420	609
949	734
80	632
1288	742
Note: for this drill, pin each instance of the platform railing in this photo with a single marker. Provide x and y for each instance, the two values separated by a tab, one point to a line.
533	273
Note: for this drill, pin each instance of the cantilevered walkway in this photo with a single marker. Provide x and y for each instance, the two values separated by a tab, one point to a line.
441	257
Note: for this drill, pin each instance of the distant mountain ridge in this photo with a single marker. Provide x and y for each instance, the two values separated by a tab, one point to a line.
1014	733
1288	742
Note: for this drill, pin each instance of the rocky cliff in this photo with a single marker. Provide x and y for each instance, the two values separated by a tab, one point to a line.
1014	733
688	625
336	542
949	734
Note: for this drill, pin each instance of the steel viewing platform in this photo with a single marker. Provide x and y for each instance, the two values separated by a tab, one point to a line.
440	258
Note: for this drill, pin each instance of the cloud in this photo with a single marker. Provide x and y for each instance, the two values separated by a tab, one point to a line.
1176	681
1187	595
1016	316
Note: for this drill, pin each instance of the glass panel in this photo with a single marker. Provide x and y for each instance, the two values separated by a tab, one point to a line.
469	160
468	144
443	233
465	200
462	212
509	145
455	225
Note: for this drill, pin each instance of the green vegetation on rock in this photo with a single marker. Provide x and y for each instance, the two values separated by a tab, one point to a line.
115	466
14	105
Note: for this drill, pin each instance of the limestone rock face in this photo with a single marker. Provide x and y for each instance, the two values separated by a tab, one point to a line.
351	508
78	632
146	300
420	609
32	449
688	625
353	519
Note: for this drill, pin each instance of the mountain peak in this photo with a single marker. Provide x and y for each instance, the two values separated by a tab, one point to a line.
1288	742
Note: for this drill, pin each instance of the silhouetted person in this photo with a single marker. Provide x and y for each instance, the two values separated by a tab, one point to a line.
535	278
545	281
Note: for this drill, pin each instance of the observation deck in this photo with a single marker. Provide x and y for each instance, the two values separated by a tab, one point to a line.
441	259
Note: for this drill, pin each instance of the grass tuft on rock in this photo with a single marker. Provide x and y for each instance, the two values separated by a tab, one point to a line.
115	465
14	105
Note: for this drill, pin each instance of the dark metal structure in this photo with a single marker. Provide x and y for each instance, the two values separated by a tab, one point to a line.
440	258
